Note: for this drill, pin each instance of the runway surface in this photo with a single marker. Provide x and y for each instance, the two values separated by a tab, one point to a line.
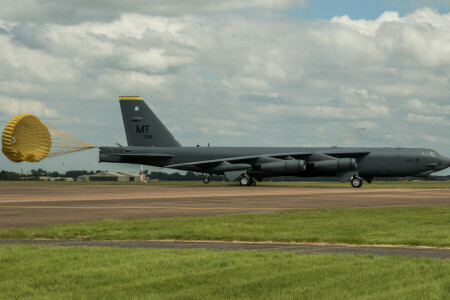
28	205
233	246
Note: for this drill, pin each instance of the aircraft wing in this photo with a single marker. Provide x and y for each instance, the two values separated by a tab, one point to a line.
142	155
340	153
232	160
252	159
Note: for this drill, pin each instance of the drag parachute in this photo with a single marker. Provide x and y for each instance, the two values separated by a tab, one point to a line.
26	138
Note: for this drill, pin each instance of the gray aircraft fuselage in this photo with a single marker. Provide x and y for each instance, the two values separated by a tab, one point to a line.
379	162
151	143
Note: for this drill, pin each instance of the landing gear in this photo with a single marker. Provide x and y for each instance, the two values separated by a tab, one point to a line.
247	181
356	181
206	180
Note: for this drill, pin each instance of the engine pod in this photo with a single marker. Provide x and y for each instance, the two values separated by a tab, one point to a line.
335	164
286	166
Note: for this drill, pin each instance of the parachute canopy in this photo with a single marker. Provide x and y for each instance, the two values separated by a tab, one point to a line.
26	138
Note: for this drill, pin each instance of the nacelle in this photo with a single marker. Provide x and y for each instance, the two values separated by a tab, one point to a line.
286	166
335	164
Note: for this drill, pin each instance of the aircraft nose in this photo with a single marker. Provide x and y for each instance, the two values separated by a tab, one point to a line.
446	161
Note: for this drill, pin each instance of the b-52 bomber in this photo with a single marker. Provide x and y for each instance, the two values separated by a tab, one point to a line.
151	143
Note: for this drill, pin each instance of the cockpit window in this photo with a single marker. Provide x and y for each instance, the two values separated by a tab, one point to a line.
431	153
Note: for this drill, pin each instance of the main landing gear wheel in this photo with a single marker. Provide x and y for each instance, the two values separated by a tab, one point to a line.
206	180
246	181
356	182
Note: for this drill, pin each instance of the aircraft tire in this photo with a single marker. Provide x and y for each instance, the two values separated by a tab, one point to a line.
356	182
253	182
245	181
206	180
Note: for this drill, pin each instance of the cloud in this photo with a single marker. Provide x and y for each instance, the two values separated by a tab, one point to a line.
433	120
237	79
75	12
368	27
11	106
428	107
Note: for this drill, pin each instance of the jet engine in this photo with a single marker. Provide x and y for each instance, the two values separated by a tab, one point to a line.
286	166
333	165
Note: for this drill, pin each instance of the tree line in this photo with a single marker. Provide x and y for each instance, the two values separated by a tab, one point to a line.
36	174
188	176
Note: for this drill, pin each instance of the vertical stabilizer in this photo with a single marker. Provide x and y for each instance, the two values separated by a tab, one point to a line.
142	126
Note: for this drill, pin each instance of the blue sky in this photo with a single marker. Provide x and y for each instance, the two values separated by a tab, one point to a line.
361	9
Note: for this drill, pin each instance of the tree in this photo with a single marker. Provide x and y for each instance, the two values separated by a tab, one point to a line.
75	173
55	174
5	175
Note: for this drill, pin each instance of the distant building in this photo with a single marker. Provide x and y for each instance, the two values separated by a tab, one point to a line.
47	178
110	176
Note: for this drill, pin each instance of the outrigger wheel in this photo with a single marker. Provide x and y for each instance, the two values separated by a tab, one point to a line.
206	180
356	181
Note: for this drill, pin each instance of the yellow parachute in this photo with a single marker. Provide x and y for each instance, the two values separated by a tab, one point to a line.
26	138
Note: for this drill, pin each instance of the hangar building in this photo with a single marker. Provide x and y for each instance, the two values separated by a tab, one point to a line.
110	176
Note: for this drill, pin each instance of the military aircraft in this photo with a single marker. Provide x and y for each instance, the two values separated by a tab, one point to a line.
151	143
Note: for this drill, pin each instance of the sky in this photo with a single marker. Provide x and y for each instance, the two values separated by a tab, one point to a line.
230	73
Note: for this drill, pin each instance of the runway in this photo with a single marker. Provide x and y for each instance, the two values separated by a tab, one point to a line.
29	205
428	252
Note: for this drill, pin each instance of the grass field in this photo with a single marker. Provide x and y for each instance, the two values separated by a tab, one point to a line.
78	272
389	225
375	184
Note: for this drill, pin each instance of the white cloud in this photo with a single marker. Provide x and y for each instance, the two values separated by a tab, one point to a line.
12	107
433	120
74	12
368	27
429	107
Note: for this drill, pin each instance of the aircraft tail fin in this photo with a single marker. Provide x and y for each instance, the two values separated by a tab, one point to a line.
142	126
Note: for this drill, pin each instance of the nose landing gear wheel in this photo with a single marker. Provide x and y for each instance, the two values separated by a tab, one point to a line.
356	182
206	180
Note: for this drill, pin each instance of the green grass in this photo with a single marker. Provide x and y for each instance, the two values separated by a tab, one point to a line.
303	184
113	273
389	225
